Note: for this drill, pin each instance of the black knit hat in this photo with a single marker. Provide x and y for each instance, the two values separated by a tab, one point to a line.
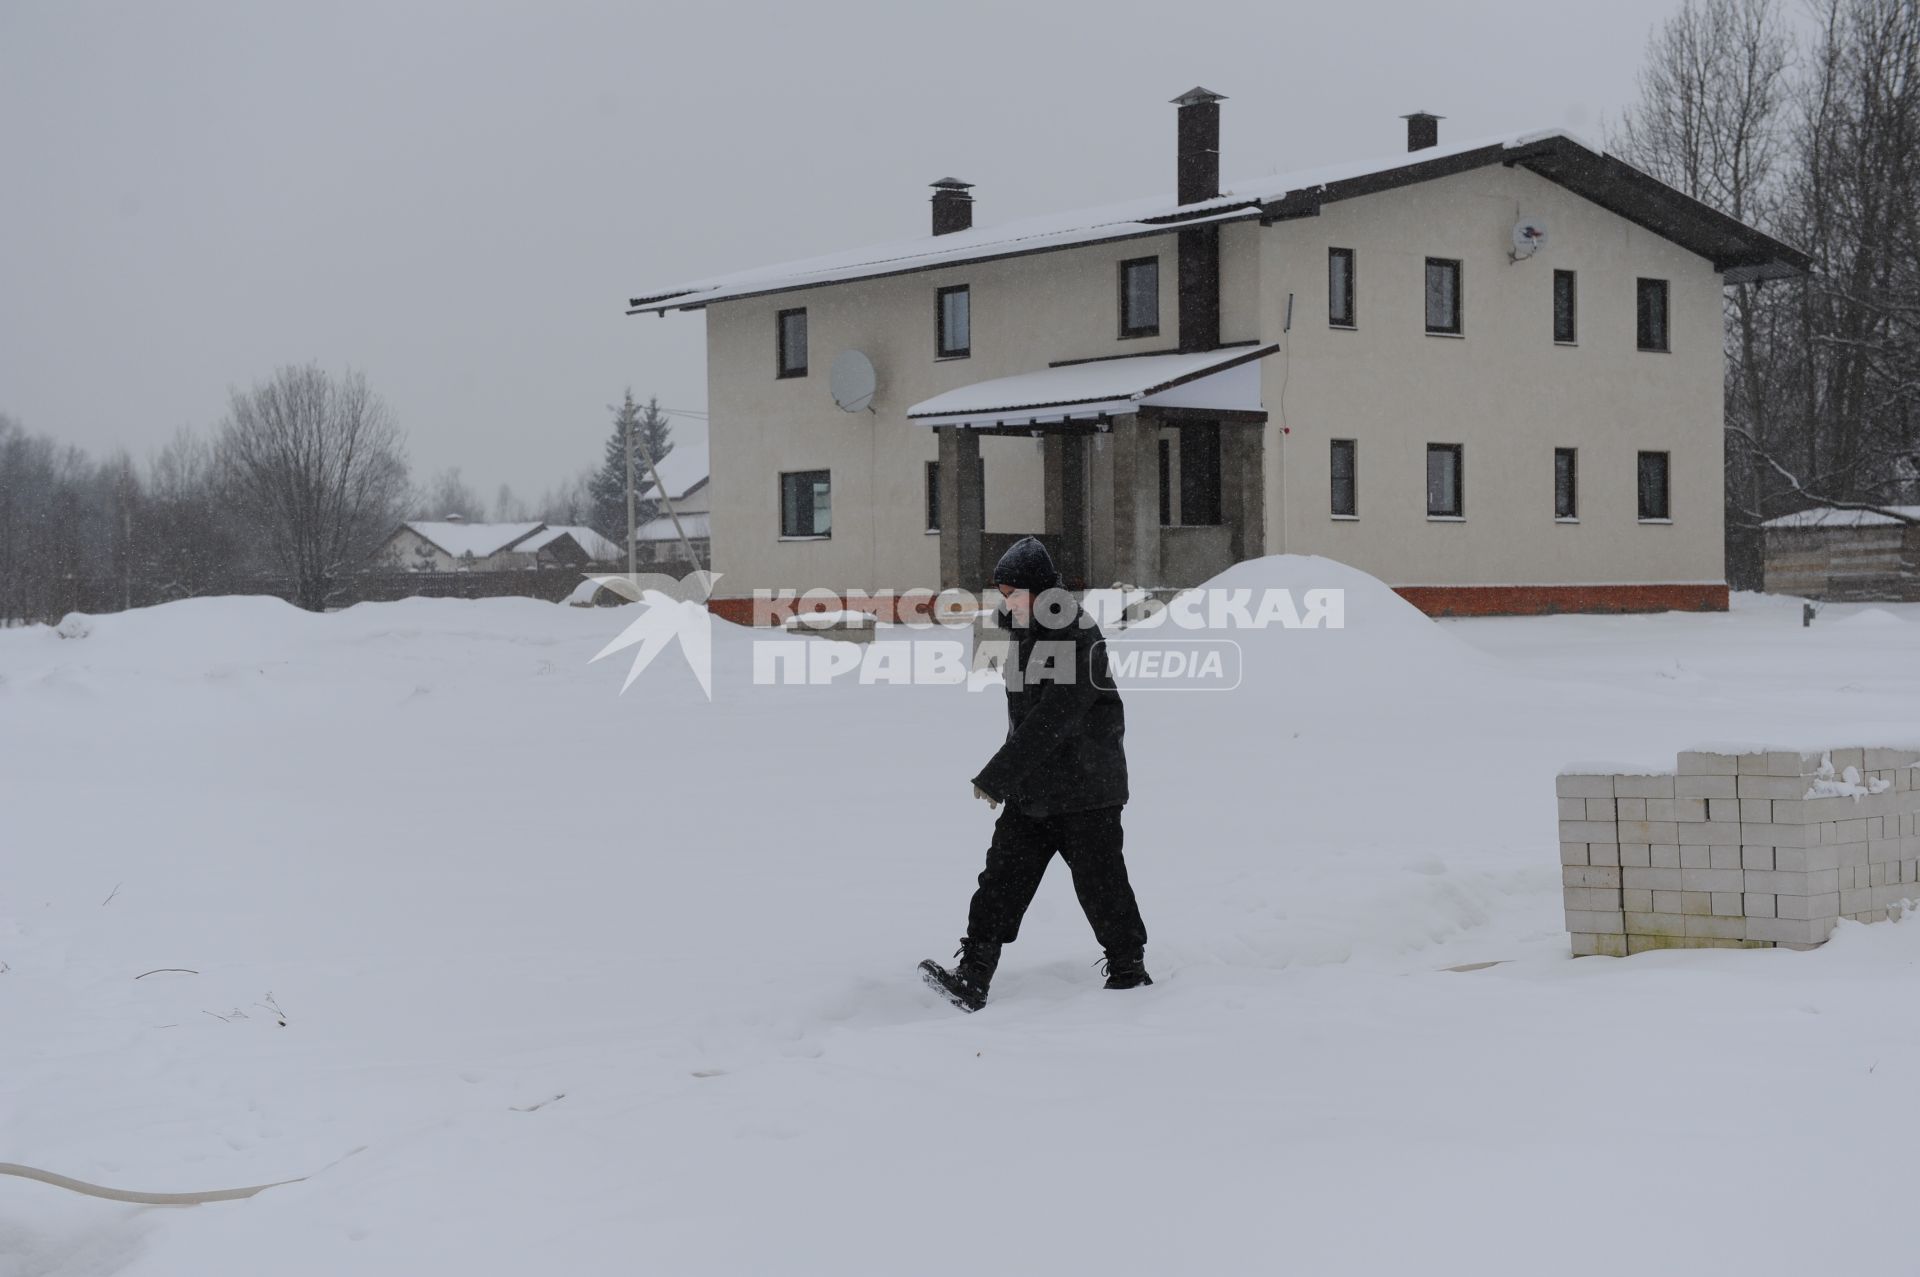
1026	566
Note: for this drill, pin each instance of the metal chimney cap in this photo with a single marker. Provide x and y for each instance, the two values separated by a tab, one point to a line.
1197	95
1422	115
952	184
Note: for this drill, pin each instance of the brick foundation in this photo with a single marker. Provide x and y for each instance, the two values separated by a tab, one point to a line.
1738	850
1545	600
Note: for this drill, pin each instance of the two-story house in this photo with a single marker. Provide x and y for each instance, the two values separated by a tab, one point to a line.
1489	373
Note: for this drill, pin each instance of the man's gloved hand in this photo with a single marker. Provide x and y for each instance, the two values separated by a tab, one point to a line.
991	802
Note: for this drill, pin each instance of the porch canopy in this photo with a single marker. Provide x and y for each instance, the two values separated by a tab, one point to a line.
1100	422
1221	383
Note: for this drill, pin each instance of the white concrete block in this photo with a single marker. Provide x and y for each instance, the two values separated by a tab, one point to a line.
1666	902
1676	809
1656	924
1590	898
1700	763
1723	857
1707	879
1791	764
1756	857
1790	930
1726	810
1643	786
1639	901
1757	810
1577	786
1666	855
1573	853
1759	904
1706	787
1594	921
1759	835
1712	831
1603	853
1805	859
1854	900
1572	808
1695	857
1651	879
1772	787
1576	876
1586	945
1634	855
1703	926
1629	808
1696	902
1599	809
1821	906
1592	831
1727	904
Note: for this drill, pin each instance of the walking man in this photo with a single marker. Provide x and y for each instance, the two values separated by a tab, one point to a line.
1059	781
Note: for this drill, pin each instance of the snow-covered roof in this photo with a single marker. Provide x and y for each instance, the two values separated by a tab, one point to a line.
1146	216
1092	388
1822	517
1573	162
460	538
661	529
597	547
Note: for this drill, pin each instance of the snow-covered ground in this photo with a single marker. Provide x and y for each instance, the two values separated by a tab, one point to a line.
578	983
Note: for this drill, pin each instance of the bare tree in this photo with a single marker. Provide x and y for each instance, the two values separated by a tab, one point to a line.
318	467
448	496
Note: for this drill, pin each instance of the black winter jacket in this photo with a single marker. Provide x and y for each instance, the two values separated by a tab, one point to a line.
1065	749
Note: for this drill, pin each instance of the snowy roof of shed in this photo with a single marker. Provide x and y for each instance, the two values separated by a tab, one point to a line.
460	538
1823	517
597	547
697	523
1738	251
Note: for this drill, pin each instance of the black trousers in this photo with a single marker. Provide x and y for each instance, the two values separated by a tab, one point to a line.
1023	845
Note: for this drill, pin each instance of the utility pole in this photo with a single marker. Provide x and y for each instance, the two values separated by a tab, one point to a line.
631	569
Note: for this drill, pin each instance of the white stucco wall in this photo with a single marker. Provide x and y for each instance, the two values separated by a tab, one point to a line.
1504	391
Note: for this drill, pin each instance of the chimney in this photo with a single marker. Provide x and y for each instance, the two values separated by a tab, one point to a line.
952	206
1423	130
456	518
1198	134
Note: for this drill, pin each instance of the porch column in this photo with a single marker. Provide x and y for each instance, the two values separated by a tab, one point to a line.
1134	444
1065	475
1243	488
962	510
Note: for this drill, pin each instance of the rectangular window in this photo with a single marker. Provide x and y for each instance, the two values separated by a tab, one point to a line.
1443	295
1653	486
1563	307
955	322
1444	481
793	343
933	491
1566	483
1340	287
1166	482
806	504
1200	473
1652	314
1346	494
1140	297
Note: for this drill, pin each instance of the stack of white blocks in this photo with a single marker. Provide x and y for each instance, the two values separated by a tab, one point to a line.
1737	851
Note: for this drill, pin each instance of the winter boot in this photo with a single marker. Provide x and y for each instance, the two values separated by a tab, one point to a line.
966	985
1127	970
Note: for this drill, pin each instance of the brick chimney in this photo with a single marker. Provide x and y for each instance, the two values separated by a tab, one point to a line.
1423	130
1198	134
952	206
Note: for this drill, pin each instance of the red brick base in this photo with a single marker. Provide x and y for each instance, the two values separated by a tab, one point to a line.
1545	600
1463	600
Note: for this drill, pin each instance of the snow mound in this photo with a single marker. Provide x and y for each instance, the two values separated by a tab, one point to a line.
1871	618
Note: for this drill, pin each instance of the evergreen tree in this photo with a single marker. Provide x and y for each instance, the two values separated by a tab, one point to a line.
609	486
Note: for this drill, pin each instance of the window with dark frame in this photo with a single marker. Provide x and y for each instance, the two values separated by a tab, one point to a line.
933	491
1140	297
806	503
1444	464
1200	473
1340	287
792	328
954	320
1564	328
1346	494
1443	296
1651	314
1566	483
1654	493
1166	482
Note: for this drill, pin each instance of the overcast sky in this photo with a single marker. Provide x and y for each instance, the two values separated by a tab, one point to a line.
458	198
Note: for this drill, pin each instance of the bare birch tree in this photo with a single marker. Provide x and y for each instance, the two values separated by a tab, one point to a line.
319	470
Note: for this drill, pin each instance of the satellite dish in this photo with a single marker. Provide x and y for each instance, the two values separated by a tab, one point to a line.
1529	237
852	381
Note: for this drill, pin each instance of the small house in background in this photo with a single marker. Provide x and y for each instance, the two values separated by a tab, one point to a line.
1853	555
657	542
455	545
